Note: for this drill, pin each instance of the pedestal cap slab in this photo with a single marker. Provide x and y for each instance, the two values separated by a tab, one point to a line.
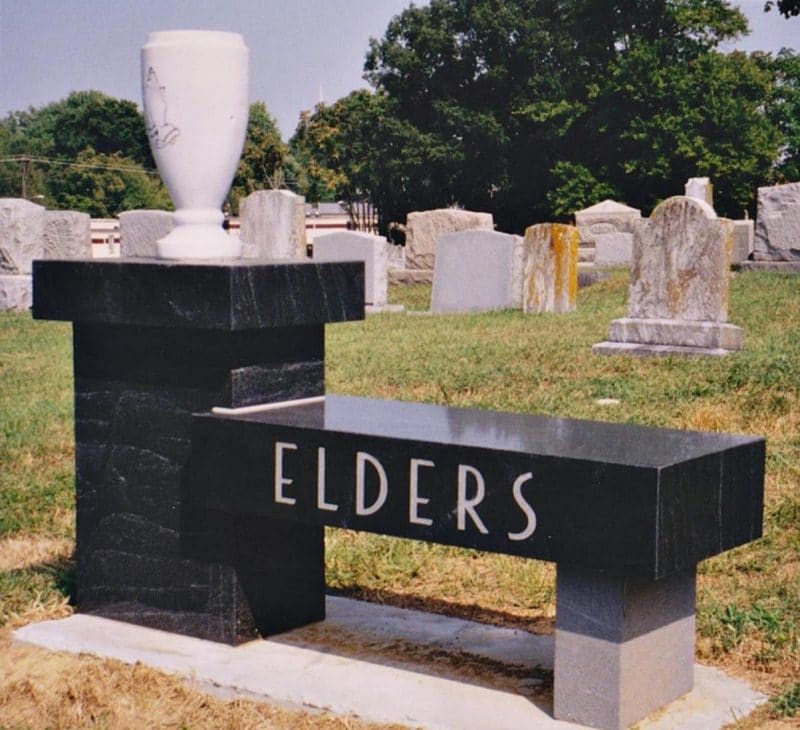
223	295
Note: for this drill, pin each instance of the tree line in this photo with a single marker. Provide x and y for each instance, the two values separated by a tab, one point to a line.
528	109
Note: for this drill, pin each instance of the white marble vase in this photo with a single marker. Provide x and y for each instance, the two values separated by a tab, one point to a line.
195	93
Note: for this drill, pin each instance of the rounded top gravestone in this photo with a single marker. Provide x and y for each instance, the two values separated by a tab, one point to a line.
681	258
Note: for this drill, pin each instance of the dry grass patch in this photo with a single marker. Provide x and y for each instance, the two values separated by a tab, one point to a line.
23	551
46	689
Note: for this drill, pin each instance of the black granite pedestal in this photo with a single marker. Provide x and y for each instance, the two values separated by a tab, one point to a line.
155	342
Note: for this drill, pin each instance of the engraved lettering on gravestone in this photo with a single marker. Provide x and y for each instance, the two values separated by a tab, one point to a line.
605	227
372	490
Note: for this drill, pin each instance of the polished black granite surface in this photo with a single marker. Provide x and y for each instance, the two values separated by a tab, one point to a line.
213	295
611	496
616	443
154	342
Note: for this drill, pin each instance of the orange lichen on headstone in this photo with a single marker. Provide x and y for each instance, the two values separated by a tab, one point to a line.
550	268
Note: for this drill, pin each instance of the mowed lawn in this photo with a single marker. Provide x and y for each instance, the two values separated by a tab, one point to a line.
748	599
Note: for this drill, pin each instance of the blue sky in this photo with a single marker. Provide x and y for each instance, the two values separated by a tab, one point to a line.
300	49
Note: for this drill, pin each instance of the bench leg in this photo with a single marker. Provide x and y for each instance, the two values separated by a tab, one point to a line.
624	645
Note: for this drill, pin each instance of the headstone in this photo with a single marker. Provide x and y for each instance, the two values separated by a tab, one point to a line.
777	234
475	272
21	235
613	249
679	285
700	188
743	240
353	246
395	257
423	229
550	278
608	216
67	235
21	241
273	225
140	230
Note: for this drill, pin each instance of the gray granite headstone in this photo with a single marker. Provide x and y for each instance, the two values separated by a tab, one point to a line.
612	249
140	231
67	235
679	285
21	235
273	225
743	240
354	246
423	229
777	235
475	272
21	241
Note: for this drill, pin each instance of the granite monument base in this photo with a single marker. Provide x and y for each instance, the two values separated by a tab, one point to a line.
154	343
785	267
624	645
663	337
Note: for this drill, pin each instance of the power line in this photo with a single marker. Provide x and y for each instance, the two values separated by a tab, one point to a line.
82	165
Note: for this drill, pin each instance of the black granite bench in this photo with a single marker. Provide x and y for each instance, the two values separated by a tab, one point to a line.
212	524
625	512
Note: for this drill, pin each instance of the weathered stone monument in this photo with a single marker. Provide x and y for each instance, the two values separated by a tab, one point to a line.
477	271
777	233
67	234
140	231
679	285
613	249
355	246
22	225
273	225
550	273
700	188
606	233
743	240
423	229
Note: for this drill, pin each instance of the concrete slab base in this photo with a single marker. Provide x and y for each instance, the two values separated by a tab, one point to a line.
410	276
384	308
643	350
787	267
370	661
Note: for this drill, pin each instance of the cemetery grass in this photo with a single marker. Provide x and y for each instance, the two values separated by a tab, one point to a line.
748	600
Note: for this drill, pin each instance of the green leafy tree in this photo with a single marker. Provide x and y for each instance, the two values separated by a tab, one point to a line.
265	156
784	111
527	108
85	119
62	151
787	8
105	185
347	152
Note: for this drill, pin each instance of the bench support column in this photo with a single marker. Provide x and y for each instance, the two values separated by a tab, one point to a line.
624	645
